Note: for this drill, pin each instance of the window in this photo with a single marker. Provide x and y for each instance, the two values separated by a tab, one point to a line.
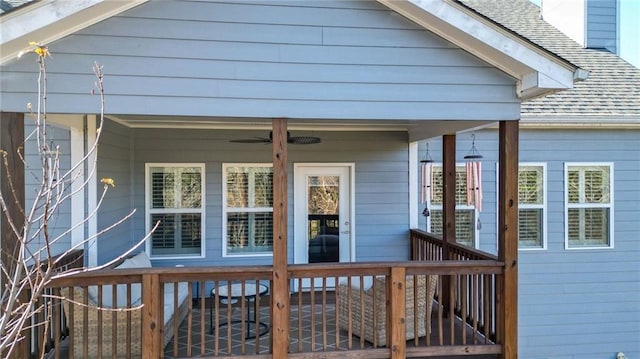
248	209
589	198
465	214
532	206
175	201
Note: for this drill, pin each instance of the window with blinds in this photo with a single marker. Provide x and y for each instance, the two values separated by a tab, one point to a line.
588	205
531	206
465	214
175	204
248	209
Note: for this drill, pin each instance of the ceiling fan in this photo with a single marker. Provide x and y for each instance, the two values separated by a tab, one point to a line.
296	140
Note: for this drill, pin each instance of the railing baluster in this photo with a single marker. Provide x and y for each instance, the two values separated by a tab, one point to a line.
349	314
229	311
416	321
362	312
324	313
313	314
129	328
300	315
202	289
189	318
243	317
375	311
216	311
256	315
336	311
463	313
100	304
452	303
57	319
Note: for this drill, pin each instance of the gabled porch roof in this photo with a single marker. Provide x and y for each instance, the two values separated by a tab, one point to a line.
538	71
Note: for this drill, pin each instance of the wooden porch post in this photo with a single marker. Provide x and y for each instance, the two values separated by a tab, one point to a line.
11	141
152	345
396	307
507	286
448	209
280	280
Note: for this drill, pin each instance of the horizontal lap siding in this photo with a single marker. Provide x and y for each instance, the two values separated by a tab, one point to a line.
602	24
381	182
572	303
114	161
293	59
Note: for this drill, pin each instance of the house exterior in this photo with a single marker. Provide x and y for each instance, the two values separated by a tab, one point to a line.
184	80
579	277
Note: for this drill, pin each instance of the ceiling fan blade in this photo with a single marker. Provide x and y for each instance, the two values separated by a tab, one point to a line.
296	140
303	140
252	140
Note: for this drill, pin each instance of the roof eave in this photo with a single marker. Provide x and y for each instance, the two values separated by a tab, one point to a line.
49	20
537	71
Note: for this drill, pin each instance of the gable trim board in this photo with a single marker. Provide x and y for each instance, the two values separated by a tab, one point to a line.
50	20
538	72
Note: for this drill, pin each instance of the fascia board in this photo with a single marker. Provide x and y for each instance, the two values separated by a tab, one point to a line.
489	42
50	20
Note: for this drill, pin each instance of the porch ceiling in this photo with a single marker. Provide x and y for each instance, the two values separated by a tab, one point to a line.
416	129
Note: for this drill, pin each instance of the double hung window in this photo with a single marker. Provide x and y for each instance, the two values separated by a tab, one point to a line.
532	206
465	213
248	209
589	202
174	200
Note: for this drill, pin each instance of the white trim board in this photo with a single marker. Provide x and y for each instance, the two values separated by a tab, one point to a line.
538	72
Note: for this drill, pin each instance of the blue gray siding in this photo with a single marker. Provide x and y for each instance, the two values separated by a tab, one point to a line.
602	25
326	59
114	161
573	303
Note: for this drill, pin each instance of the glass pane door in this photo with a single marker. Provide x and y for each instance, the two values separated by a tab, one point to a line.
323	216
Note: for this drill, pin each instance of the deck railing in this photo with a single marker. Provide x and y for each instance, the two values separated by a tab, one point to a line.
318	323
473	298
48	325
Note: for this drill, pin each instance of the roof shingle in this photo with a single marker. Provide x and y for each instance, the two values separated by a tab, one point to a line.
612	88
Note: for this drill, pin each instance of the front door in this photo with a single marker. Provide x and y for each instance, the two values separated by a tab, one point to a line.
323	223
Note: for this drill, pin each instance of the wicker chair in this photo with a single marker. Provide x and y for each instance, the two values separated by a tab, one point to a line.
356	301
99	337
128	327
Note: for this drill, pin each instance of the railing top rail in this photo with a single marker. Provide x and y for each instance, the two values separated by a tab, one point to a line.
166	274
176	274
384	268
470	252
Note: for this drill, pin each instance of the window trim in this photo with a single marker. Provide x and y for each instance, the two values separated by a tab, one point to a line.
567	205
225	253
149	210
439	207
543	206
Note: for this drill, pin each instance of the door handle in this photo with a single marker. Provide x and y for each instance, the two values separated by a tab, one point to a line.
345	232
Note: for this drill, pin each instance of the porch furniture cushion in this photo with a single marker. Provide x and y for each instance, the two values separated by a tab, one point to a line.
354	302
128	323
140	260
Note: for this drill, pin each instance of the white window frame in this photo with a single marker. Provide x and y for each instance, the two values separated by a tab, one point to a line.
438	207
568	205
542	206
225	252
149	211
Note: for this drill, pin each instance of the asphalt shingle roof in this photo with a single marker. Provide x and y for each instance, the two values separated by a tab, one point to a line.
10	5
612	88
